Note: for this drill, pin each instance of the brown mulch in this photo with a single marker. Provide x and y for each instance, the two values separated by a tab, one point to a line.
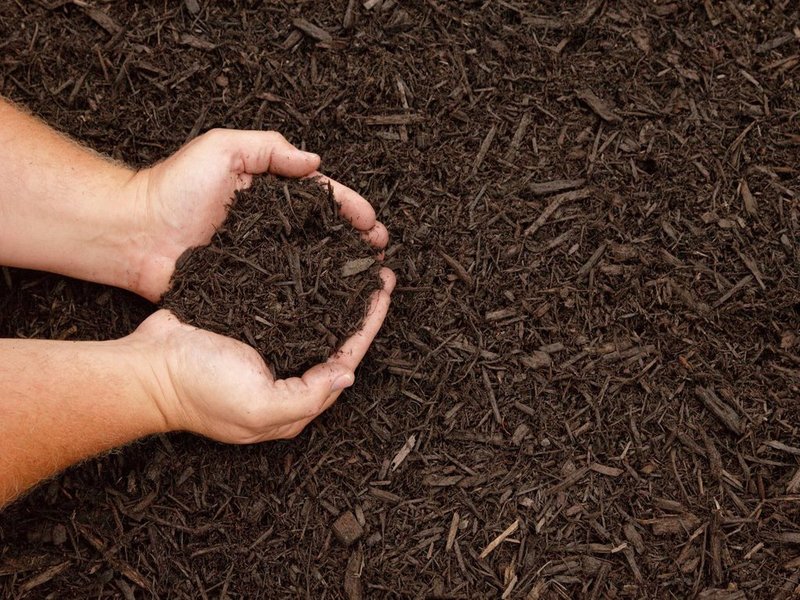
588	383
284	273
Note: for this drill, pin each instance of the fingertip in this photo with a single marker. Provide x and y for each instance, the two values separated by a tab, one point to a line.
312	158
389	279
377	237
352	206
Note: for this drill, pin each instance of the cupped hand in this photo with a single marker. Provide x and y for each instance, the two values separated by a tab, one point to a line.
222	389
180	202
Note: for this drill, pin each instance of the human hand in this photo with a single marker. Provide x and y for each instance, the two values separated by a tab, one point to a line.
180	202
222	389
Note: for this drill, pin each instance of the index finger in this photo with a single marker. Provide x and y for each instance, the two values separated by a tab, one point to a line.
355	347
352	206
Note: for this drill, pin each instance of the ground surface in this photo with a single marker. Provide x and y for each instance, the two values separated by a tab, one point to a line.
607	367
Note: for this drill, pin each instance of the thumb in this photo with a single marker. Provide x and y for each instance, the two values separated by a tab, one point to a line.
307	396
258	152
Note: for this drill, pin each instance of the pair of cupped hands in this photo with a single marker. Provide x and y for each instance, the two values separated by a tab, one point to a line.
211	384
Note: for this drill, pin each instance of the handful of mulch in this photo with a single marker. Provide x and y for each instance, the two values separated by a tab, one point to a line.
284	274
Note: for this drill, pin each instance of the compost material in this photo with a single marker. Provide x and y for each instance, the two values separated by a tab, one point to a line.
284	274
587	385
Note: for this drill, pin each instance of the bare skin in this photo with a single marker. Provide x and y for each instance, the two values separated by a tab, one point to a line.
68	210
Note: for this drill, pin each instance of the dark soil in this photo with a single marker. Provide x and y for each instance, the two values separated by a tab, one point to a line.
284	274
588	383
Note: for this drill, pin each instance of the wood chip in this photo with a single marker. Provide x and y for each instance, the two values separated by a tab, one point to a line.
792	565
729	294
589	264
484	149
451	535
605	470
519	134
747	197
347	528
403	453
520	434
356	266
569	480
674	525
774	43
349	15
405	119
353	588
43	577
726	415
793	486
461	272
492	399
101	18
117	564
600	107
501	314
557	185
537	360
721	594
313	31
385	495
642	39
446	481
783	447
187	39
499	539
192	6
753	266
634	537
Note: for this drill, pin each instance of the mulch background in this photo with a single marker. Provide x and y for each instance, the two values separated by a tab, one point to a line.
611	361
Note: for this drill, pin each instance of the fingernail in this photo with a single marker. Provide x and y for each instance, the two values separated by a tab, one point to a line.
310	155
342	382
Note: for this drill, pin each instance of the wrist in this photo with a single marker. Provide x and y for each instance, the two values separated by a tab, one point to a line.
150	252
152	350
143	360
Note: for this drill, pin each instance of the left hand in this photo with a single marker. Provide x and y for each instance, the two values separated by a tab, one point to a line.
220	388
180	202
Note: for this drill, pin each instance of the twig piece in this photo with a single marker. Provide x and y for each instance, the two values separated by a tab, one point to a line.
727	295
499	539
518	135
451	535
461	272
403	452
492	399
589	264
727	415
484	149
555	203
557	185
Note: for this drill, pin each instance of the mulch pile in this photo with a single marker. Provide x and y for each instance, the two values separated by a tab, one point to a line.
588	383
284	274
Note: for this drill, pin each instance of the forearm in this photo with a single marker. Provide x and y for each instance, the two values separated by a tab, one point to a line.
62	402
60	205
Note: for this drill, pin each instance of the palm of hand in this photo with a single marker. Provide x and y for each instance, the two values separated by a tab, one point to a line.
218	387
181	201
